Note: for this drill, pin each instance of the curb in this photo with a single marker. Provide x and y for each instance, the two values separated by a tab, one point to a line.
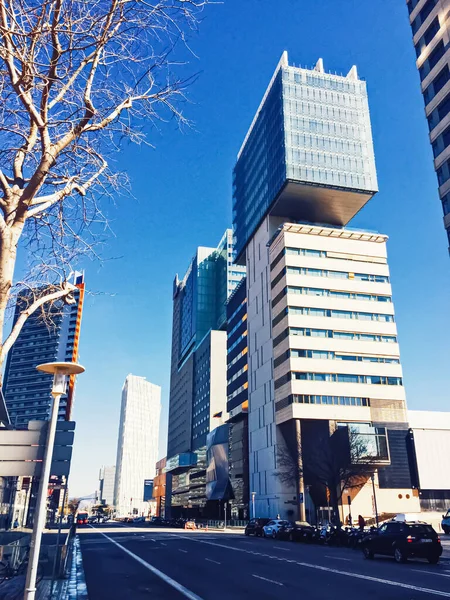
76	588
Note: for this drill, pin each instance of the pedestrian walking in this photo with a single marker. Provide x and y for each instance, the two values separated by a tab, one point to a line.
361	522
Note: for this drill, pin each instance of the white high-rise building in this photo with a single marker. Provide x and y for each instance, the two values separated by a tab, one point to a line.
137	446
107	478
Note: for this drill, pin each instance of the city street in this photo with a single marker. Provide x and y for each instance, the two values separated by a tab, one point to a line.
131	562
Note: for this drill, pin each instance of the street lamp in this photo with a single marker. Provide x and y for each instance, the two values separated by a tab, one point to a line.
253	504
59	370
372	477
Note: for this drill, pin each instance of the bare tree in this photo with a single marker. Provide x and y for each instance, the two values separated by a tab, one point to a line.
73	505
77	79
341	461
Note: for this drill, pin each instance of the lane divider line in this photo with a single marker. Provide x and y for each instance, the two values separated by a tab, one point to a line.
431	572
181	550
269	580
216	562
177	586
390	582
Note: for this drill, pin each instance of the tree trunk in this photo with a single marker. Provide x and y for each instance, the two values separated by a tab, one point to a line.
334	500
8	255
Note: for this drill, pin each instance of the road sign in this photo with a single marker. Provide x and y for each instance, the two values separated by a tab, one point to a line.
22	452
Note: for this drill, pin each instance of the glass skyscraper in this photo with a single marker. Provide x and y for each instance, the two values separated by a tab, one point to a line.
308	153
198	367
41	340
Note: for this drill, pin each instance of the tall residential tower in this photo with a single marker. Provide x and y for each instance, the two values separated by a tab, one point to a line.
430	24
48	338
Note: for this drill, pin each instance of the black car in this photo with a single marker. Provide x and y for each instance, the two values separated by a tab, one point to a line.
404	540
255	526
296	531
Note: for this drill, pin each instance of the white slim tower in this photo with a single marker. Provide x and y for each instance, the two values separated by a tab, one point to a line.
137	445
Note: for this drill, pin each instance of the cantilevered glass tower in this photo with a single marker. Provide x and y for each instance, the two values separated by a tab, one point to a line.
308	154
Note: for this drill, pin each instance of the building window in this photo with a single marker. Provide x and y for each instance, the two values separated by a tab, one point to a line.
446	204
423	14
345	378
432	60
437	84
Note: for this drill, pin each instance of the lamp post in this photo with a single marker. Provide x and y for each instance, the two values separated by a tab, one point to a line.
372	477
253	504
59	370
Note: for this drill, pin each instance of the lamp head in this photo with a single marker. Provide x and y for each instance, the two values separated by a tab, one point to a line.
60	370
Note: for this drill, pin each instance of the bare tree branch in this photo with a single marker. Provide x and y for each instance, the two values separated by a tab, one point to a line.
77	78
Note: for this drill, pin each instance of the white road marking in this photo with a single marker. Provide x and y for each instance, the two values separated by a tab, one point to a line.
281	548
337	557
269	580
163	544
216	562
181	550
431	572
186	593
152	540
336	571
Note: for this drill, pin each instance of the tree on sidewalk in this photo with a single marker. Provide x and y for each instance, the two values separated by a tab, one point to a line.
342	460
77	80
73	505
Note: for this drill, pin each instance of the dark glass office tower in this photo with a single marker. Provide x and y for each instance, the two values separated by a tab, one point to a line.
26	391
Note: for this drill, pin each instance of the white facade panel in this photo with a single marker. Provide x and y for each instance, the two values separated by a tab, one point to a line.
218	379
432	453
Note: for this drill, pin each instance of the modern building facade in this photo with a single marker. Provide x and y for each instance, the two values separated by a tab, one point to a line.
336	357
237	400
308	154
322	343
159	488
137	445
198	369
107	477
42	339
430	24
199	306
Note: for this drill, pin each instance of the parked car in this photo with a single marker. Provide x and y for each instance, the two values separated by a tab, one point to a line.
296	531
446	522
255	527
157	521
272	527
404	540
139	520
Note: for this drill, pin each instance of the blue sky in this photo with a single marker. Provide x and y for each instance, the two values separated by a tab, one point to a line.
182	192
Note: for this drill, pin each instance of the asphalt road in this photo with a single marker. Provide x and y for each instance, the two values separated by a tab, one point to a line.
134	563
